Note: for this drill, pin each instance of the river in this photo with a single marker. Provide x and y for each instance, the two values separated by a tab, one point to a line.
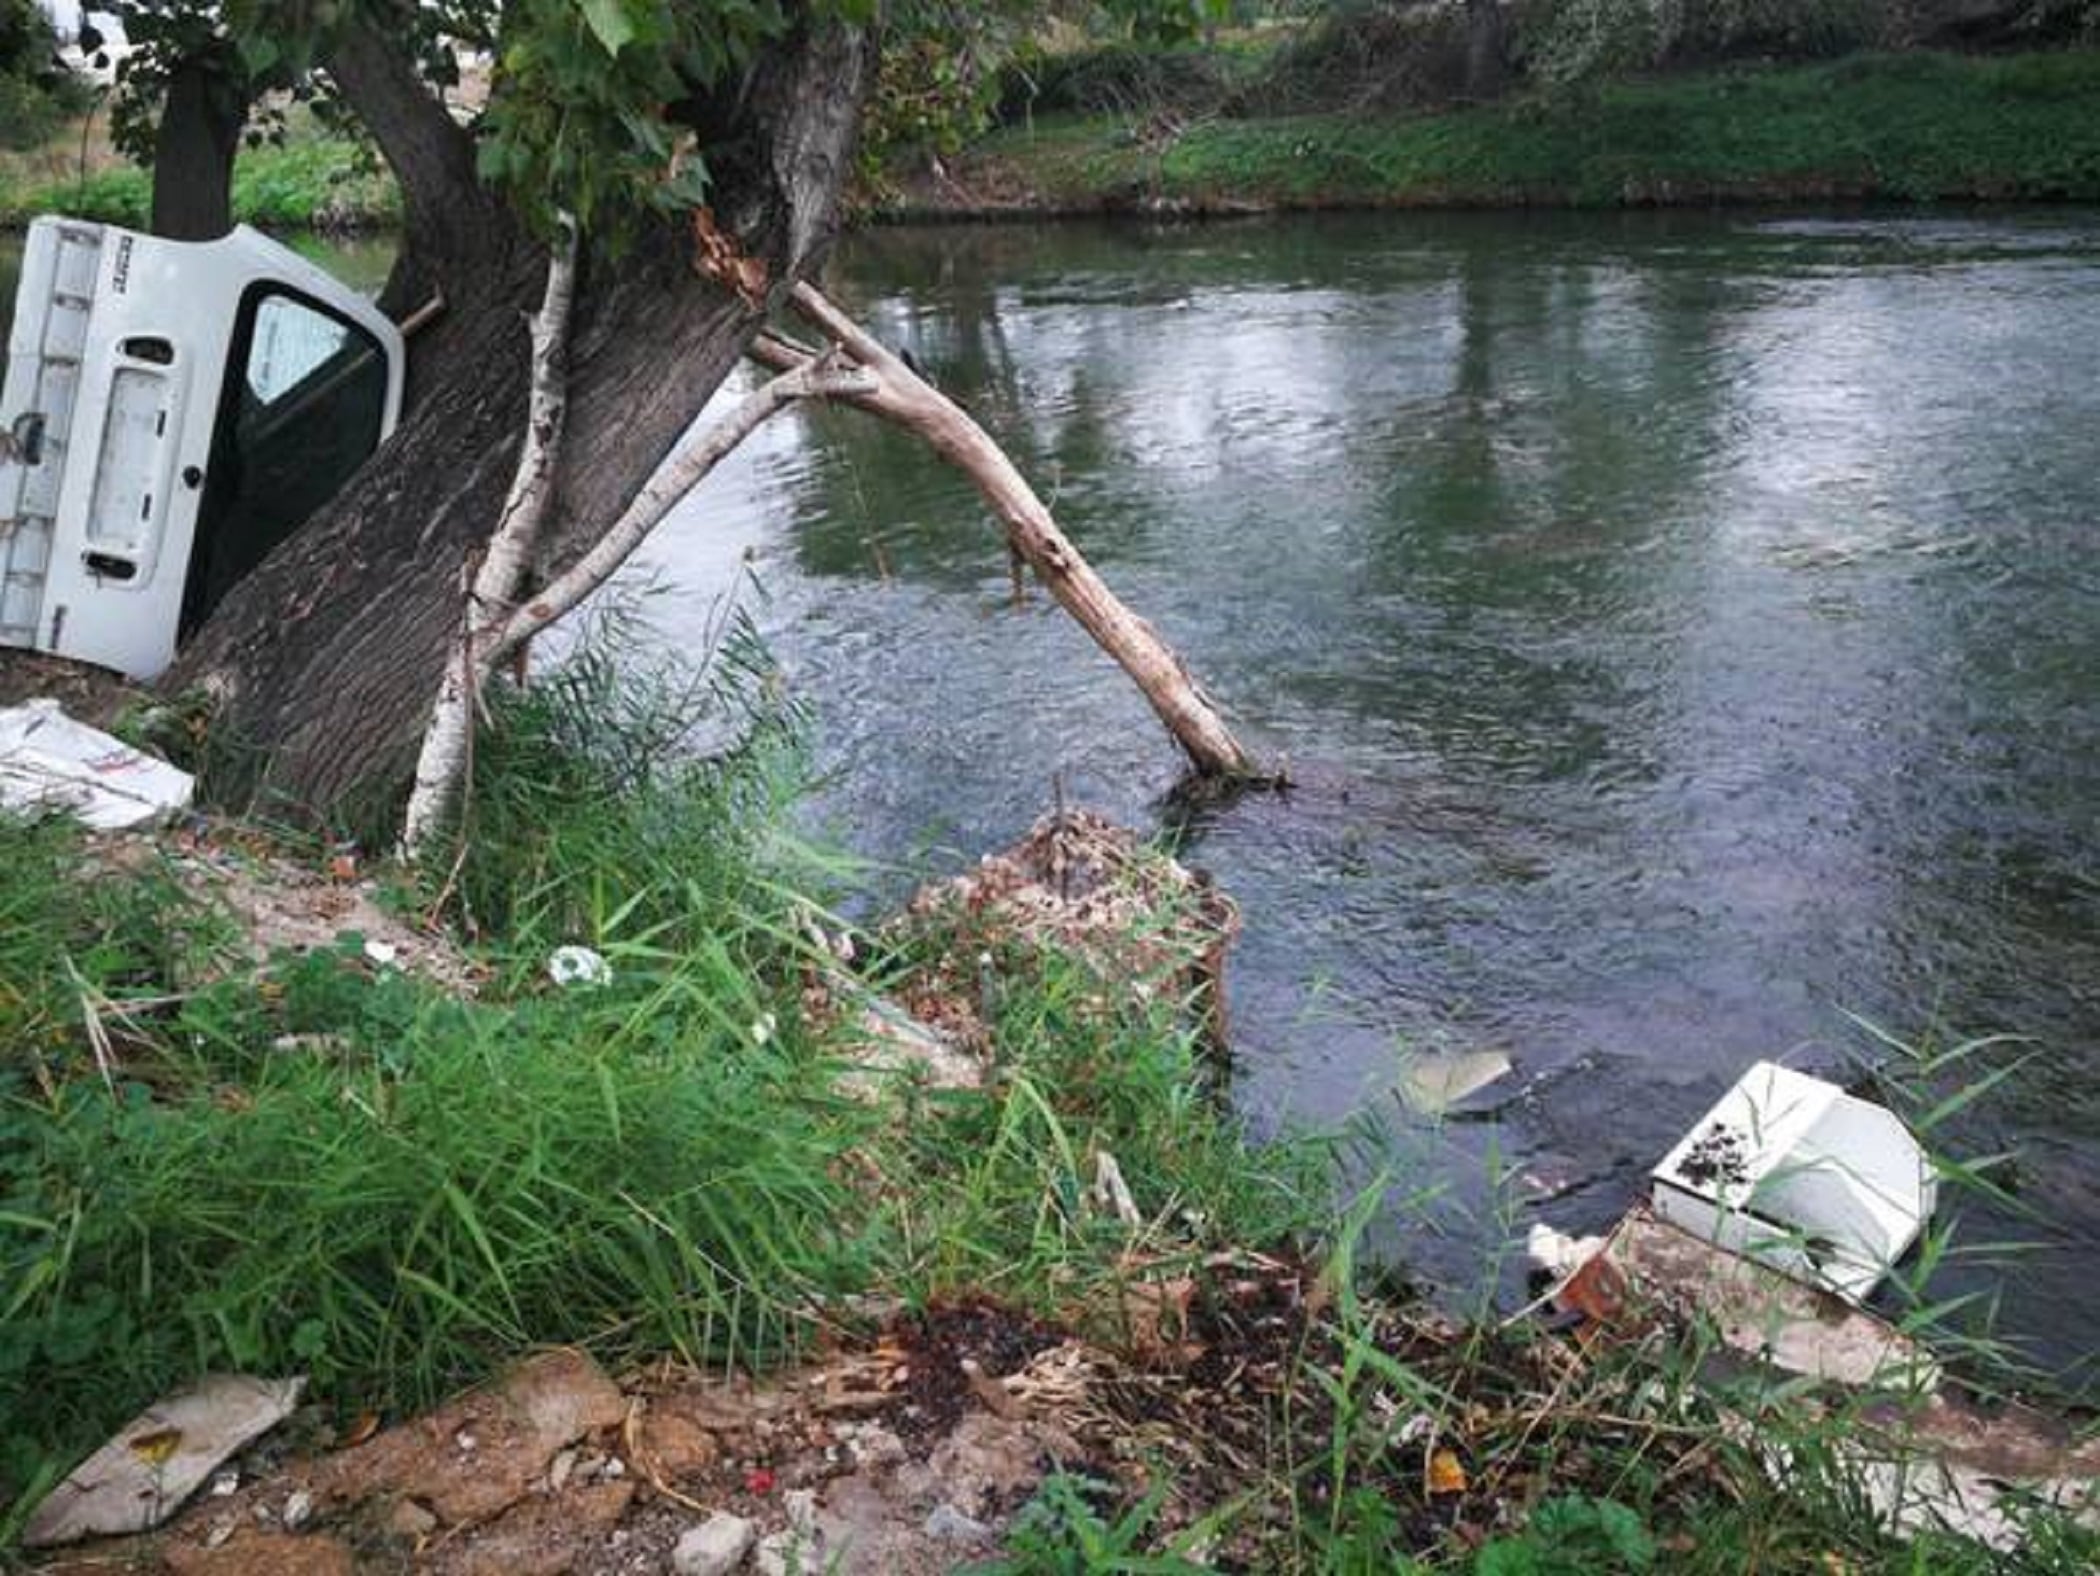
1683	629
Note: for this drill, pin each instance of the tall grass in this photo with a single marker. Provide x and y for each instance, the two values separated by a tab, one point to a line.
329	1167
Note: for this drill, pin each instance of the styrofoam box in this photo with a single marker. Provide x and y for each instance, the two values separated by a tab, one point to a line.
1791	1171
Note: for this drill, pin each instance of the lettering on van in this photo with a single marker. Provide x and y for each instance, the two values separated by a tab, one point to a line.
120	274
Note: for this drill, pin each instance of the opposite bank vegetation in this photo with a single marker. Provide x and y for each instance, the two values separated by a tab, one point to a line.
398	1180
1912	127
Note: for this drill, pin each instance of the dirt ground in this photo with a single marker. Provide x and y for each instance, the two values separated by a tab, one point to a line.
903	1454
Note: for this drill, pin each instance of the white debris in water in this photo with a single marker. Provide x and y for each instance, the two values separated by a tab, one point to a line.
1432	1082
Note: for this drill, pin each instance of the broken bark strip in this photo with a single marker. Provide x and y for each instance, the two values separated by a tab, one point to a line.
442	762
900	395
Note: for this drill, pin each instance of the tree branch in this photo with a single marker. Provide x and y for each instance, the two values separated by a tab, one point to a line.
450	215
818	379
900	395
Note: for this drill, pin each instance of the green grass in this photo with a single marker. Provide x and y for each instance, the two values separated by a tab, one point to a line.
312	182
324	1167
1913	127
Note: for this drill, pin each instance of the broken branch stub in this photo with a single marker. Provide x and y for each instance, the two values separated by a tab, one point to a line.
900	395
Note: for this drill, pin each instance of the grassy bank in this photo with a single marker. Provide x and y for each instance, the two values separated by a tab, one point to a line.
319	1162
313	182
1910	127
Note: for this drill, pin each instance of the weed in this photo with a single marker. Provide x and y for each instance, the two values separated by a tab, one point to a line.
1067	1530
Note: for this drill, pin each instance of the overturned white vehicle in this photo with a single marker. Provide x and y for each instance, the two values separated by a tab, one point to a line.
172	411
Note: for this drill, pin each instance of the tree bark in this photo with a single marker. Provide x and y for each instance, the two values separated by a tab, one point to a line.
325	661
200	132
442	763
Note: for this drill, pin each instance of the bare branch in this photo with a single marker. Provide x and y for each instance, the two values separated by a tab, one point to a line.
822	378
900	395
442	762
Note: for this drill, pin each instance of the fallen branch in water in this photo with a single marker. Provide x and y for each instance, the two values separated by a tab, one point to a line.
898	394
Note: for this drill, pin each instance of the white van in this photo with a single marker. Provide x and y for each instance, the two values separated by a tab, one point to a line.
172	411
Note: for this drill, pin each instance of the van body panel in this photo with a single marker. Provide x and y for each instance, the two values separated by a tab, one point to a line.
147	381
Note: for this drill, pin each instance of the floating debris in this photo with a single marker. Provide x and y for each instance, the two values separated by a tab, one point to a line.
1433	1083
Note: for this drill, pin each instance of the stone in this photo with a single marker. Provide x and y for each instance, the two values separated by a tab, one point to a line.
546	1403
678	1445
949	1525
544	1535
800	1550
411	1520
714	1548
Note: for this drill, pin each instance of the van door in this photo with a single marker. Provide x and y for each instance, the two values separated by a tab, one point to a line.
303	402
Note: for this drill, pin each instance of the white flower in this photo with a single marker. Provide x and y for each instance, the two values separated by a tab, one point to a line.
762	1030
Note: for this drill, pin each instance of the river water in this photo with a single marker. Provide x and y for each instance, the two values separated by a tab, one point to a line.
1683	629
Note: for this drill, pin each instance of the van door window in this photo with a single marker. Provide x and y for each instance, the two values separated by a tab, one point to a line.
301	408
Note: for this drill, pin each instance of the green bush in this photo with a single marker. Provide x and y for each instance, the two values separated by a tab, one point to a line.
35	93
1120	79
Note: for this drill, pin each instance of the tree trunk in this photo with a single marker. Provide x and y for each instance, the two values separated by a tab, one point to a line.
1487	52
325	660
200	132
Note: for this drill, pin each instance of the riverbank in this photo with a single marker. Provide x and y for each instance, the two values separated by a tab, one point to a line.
314	182
1036	1299
1916	127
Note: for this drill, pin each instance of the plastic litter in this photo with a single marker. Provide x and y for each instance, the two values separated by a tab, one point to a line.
50	762
1433	1082
161	1457
574	965
1791	1171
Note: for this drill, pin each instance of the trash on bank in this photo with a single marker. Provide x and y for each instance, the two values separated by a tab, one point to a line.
574	965
161	1457
50	762
1793	1172
1781	1209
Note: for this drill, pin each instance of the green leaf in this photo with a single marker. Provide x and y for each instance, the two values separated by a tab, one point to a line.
609	20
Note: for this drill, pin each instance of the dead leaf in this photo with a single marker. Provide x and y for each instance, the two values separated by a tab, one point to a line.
1447	1474
1597	1291
155	1447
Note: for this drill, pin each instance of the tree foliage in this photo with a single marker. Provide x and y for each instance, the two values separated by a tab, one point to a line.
35	90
